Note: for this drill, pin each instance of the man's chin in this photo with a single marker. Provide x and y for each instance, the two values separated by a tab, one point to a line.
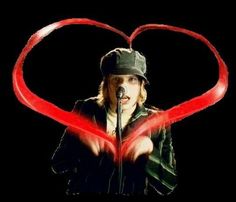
127	107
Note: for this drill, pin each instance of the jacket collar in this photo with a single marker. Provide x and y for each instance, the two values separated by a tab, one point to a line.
138	112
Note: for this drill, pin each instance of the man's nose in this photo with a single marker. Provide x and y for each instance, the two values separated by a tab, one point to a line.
122	81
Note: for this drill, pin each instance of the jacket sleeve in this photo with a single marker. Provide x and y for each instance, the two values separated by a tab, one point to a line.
65	157
161	166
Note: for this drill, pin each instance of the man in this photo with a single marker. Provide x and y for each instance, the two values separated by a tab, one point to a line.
148	165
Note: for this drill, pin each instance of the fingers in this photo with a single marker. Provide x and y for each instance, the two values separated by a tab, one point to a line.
136	155
94	148
110	148
91	143
130	153
98	145
141	145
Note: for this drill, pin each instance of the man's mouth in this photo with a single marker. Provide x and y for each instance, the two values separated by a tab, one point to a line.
125	99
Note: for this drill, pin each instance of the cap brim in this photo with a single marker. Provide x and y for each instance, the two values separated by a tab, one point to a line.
125	71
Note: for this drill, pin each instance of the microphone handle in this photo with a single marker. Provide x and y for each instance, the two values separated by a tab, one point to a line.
119	142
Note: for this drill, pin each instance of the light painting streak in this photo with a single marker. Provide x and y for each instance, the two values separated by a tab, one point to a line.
84	126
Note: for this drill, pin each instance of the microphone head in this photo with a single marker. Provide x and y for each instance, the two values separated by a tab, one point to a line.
120	92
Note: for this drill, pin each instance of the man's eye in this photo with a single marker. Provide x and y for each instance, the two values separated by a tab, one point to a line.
115	80
133	79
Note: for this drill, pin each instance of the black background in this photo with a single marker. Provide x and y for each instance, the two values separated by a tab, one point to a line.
64	67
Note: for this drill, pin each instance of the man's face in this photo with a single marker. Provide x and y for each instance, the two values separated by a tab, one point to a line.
130	83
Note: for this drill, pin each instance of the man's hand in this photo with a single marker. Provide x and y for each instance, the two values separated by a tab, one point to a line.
97	144
141	145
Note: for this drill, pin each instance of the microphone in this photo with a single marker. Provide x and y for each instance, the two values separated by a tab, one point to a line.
120	92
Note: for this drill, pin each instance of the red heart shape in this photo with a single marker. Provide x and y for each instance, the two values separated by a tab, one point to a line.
79	123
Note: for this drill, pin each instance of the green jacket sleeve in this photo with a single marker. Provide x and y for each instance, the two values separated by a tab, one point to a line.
161	167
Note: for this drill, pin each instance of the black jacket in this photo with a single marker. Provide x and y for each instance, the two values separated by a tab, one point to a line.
87	173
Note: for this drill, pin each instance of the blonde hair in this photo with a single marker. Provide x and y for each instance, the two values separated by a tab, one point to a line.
103	97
